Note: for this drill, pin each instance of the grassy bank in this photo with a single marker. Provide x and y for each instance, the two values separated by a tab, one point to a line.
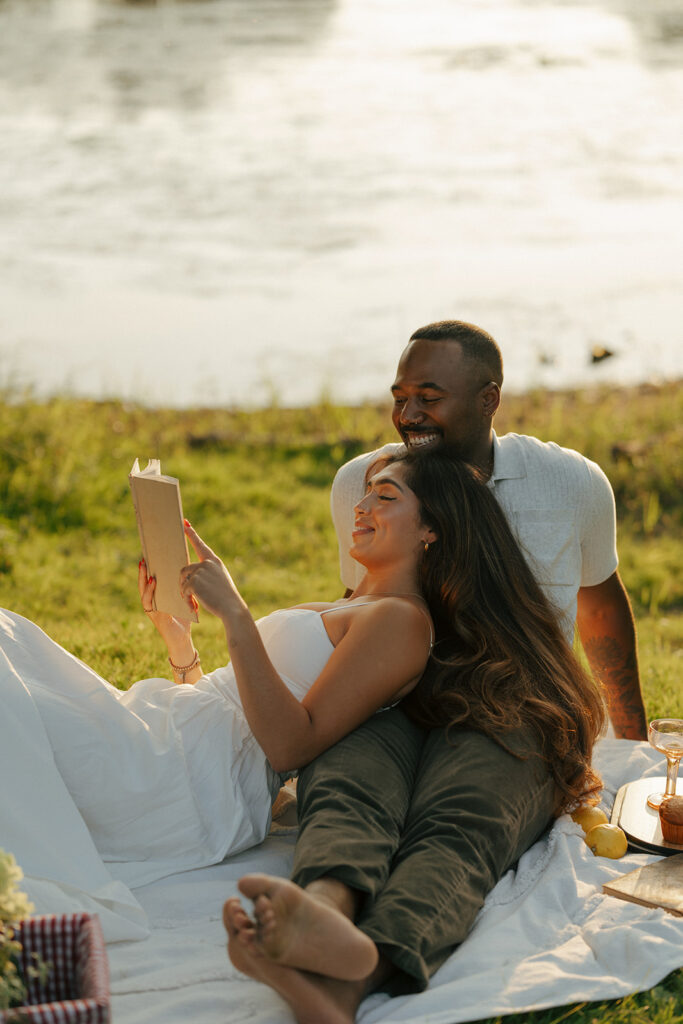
256	485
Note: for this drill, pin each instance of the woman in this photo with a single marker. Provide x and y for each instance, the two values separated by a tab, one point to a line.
385	891
171	777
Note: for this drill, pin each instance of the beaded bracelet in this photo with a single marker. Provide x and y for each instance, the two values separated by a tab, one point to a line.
182	670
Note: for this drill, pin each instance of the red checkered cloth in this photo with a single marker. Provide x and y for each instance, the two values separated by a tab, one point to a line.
76	990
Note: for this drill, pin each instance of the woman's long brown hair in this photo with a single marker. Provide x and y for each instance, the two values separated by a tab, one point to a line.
501	660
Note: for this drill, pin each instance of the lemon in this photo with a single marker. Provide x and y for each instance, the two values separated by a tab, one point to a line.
587	817
607	841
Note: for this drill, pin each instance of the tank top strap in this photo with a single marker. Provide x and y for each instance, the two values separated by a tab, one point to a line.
359	604
338	607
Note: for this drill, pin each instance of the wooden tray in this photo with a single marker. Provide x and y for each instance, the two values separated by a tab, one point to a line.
640	822
655	885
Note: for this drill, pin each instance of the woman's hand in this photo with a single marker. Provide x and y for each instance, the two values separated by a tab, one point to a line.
176	633
209	581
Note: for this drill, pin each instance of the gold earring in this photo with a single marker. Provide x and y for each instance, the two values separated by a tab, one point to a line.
426	546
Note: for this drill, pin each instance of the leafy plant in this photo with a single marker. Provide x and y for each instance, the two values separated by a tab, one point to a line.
14	905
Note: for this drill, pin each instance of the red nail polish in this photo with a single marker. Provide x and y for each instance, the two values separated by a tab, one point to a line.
186	522
150	578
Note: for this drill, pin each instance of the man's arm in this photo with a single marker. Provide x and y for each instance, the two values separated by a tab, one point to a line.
608	635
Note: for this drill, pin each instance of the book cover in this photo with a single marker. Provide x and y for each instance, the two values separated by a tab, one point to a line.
159	515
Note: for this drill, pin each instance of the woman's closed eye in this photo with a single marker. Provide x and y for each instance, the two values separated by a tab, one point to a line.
383	495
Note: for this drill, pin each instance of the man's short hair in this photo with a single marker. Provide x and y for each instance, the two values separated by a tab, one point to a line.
475	342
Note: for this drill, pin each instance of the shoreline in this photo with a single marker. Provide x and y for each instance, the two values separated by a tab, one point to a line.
26	394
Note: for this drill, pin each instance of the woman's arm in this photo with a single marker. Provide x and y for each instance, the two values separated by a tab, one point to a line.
384	650
176	633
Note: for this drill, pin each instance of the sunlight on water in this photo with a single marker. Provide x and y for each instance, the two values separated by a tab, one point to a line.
222	200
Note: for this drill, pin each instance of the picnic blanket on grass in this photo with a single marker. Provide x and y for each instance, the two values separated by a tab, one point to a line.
545	937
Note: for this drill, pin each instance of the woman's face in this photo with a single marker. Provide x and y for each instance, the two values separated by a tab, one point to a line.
388	527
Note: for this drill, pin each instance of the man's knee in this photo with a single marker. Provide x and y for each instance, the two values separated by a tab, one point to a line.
471	792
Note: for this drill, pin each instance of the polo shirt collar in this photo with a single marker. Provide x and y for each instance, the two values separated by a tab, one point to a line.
508	459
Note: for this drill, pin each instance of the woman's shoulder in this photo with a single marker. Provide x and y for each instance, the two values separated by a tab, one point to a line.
393	616
398	615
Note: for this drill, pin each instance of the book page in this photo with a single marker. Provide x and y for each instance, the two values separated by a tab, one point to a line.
159	515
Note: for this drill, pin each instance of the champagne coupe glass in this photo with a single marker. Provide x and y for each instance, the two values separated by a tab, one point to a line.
666	735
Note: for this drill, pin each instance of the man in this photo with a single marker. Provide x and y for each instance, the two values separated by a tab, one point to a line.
559	505
393	834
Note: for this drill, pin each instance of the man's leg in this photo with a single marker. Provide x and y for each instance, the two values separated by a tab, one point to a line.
353	801
475	810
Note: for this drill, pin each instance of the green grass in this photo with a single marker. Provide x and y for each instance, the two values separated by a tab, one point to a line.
256	486
663	1004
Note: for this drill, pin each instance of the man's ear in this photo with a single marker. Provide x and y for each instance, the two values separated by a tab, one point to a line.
490	399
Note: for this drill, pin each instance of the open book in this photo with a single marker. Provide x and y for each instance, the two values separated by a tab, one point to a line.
160	523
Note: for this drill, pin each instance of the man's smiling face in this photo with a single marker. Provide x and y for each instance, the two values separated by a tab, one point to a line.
439	399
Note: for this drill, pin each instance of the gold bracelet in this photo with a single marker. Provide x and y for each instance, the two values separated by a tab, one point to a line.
182	670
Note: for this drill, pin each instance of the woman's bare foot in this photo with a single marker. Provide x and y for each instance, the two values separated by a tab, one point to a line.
313	999
294	929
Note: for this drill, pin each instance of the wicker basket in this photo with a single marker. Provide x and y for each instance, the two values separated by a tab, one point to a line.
76	990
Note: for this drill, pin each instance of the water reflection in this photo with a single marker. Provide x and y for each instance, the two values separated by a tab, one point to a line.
146	54
293	22
658	25
294	185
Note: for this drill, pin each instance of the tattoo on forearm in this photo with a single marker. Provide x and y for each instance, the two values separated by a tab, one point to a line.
616	668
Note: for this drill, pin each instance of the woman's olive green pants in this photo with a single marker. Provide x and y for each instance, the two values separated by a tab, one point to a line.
423	825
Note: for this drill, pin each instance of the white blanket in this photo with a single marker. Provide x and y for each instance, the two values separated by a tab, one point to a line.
545	937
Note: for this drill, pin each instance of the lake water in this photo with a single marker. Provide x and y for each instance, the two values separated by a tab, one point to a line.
227	201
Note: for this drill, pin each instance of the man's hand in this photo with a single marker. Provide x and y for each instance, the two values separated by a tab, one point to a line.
608	635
